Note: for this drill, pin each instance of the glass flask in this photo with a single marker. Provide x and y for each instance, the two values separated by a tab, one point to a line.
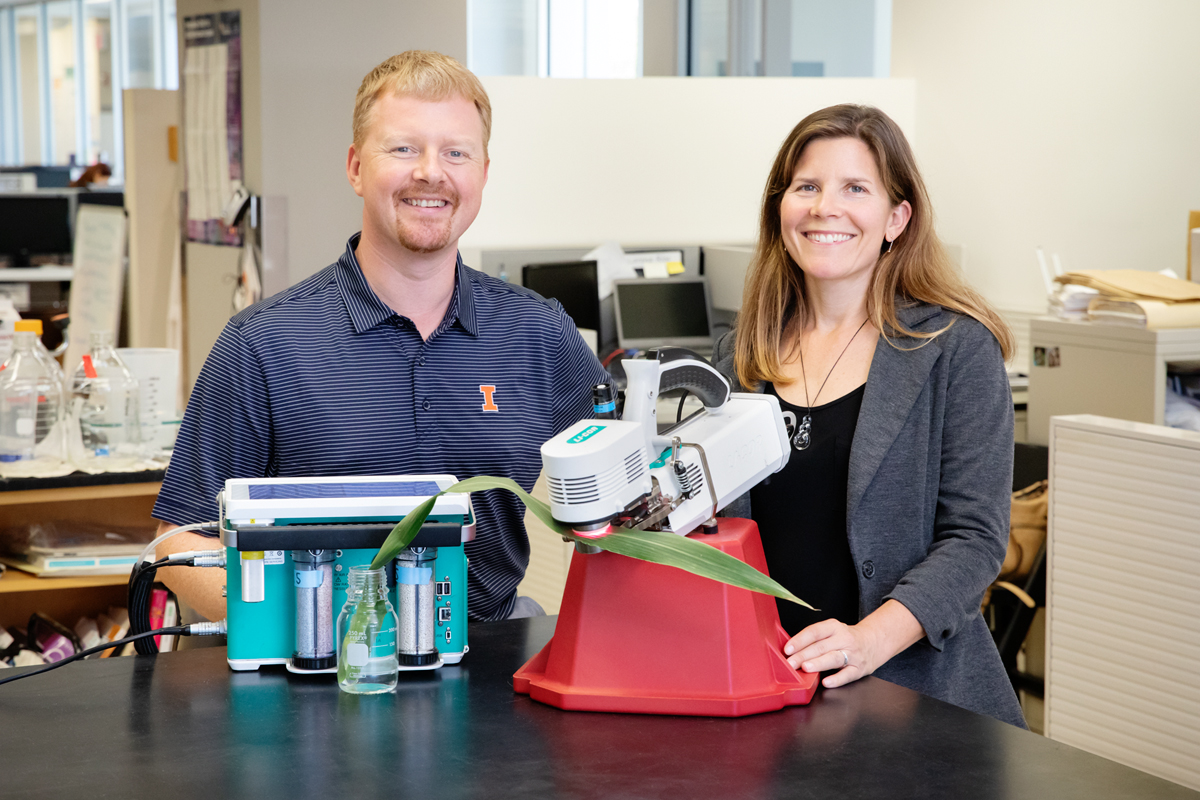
31	435
104	410
366	635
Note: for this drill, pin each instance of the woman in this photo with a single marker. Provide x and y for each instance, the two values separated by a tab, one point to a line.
892	513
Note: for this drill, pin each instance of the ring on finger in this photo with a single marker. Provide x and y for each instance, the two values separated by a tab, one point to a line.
845	658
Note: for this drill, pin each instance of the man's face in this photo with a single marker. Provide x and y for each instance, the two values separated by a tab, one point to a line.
420	171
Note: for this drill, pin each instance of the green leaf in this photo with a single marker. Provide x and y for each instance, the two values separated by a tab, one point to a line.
691	555
657	547
405	531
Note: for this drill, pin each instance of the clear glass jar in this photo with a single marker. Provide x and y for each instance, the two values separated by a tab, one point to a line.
31	435
105	433
366	635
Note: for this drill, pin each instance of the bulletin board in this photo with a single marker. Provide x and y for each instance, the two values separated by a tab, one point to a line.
212	122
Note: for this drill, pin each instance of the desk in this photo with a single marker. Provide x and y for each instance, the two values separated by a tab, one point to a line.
183	725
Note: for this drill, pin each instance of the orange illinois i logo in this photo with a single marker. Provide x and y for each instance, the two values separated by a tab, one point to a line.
488	403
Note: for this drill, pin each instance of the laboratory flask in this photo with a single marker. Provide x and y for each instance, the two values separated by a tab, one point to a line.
31	397
104	410
366	632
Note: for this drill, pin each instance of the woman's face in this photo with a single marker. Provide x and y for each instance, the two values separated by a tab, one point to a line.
836	212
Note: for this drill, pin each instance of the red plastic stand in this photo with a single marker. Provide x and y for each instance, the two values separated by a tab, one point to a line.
642	638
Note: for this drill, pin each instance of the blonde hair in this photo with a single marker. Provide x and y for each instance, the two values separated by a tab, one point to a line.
423	74
916	268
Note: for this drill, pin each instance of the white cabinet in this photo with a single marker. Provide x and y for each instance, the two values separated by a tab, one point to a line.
1081	368
1122	588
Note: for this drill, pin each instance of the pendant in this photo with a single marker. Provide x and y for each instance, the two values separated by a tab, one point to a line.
803	433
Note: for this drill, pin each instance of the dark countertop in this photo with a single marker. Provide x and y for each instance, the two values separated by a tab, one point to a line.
183	725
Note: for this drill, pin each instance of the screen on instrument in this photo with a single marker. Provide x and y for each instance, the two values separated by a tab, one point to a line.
307	491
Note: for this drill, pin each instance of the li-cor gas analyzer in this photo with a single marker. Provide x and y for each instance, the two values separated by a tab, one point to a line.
290	544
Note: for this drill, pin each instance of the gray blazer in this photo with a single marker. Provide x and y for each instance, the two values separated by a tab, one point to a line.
928	501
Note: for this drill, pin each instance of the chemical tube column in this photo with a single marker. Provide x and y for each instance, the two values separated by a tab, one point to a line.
314	610
416	644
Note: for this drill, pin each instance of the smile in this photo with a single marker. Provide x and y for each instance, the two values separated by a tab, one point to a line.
425	203
828	238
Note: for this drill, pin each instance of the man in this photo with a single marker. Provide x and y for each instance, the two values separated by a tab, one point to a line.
396	359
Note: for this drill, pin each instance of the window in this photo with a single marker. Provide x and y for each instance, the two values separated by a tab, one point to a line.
555	38
28	48
711	38
63	65
60	35
798	38
98	75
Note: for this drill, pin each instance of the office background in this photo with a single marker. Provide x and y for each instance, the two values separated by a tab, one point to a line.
1068	125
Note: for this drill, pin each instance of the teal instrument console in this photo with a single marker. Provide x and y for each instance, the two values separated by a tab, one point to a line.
290	544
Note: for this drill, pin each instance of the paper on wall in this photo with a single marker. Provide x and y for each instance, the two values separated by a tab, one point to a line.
205	126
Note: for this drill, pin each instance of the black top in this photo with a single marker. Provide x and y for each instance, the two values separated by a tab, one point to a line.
183	725
801	515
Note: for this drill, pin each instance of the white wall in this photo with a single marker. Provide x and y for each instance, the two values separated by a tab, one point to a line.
313	58
577	162
1072	124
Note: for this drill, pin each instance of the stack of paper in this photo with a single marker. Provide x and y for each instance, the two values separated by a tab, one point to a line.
1139	299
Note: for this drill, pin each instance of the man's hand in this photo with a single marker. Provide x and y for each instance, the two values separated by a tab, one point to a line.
199	588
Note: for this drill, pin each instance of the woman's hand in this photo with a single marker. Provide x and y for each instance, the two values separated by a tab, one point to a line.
854	650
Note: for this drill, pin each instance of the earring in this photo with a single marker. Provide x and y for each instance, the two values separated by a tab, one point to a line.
889	246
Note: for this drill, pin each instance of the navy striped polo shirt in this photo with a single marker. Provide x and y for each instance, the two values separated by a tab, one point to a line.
323	379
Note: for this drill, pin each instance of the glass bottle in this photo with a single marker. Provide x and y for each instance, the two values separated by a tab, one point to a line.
30	411
366	632
104	410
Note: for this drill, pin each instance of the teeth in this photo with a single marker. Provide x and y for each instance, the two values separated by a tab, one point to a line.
829	238
426	203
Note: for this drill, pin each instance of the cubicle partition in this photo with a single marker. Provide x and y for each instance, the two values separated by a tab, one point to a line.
1122	587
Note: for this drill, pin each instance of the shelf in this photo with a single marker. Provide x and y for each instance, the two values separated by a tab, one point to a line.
35	274
73	493
14	580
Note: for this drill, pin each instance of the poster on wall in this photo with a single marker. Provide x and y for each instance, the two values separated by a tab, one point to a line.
212	122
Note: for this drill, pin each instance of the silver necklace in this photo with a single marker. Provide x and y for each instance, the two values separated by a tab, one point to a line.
803	437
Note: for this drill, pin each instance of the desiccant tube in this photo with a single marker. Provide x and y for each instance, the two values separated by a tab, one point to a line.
314	610
415	642
254	588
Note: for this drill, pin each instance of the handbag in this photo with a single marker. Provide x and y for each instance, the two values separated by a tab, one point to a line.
1026	532
1026	536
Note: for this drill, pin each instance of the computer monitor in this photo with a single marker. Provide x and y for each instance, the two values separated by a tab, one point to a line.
571	283
101	197
663	311
34	225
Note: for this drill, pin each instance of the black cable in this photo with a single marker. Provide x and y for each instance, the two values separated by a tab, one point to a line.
679	413
178	630
141	588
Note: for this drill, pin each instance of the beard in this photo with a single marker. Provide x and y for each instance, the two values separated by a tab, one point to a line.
425	236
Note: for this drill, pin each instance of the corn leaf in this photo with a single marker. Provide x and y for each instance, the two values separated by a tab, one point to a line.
657	547
405	531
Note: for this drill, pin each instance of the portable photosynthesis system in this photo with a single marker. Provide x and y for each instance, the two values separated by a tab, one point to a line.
640	637
290	544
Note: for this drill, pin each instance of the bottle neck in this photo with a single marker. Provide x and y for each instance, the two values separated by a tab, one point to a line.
369	584
24	341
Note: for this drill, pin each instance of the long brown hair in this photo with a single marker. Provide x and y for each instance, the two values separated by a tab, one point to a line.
916	268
